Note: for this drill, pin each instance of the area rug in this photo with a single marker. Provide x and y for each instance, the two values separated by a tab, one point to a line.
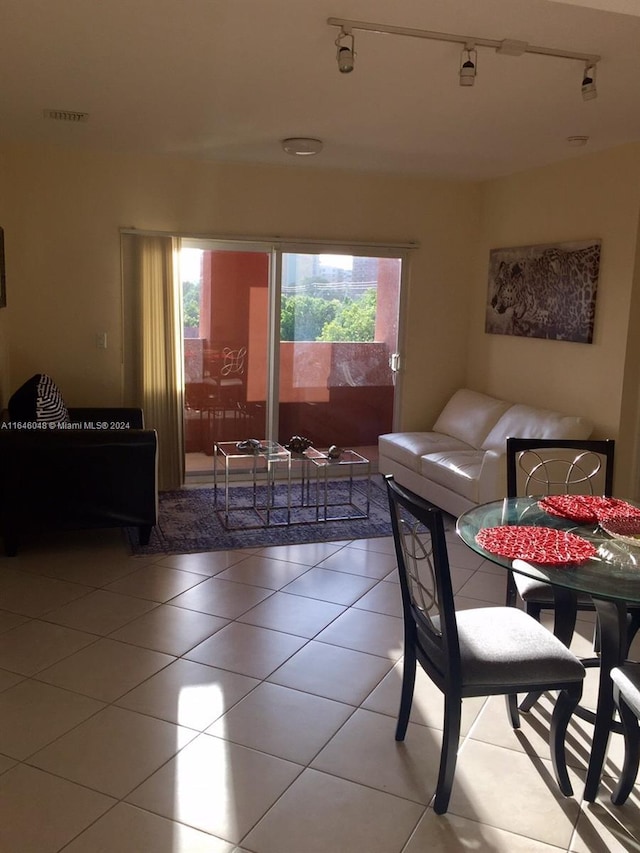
189	521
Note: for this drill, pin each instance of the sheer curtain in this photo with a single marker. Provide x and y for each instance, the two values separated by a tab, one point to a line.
153	345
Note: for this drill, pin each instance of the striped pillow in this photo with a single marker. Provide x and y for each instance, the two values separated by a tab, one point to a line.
50	406
39	399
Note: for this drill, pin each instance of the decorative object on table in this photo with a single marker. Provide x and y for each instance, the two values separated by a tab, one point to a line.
626	528
250	445
335	452
546	291
298	444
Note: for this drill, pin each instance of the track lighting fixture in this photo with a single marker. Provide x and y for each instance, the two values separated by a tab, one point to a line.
346	53
469	59
468	67
589	90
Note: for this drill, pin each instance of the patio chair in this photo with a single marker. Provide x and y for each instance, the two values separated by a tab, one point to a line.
481	652
626	693
229	392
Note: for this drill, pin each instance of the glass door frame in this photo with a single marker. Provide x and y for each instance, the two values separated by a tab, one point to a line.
275	249
319	247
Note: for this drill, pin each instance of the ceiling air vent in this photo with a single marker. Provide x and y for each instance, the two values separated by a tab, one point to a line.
66	115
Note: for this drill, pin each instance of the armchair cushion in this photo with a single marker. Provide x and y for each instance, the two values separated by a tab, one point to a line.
38	400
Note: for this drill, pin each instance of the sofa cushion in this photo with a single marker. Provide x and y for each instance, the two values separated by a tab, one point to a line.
470	416
407	447
526	422
457	470
38	400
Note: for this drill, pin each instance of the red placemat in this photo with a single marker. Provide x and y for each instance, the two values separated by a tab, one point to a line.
535	544
586	509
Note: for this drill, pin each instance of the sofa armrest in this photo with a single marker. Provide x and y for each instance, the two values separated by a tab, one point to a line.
492	482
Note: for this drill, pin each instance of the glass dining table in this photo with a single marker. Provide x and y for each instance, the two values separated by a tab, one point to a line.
610	575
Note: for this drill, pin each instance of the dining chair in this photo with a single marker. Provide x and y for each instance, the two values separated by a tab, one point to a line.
626	694
480	652
543	467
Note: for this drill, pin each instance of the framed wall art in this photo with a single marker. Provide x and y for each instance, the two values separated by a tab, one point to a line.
547	291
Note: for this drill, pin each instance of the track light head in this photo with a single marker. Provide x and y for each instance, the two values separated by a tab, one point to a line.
468	66
346	53
589	90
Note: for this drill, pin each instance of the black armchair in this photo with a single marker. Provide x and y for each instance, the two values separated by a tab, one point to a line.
99	469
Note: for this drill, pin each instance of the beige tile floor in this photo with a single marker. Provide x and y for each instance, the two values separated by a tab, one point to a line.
246	701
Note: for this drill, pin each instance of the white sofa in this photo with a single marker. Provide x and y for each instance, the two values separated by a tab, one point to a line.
461	462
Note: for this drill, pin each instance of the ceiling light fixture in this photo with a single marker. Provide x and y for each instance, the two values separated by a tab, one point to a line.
346	54
301	146
505	47
468	67
589	90
577	141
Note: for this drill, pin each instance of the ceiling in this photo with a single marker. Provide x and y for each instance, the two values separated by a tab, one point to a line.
225	80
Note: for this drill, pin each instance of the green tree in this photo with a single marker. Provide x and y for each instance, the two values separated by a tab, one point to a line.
303	318
355	321
191	304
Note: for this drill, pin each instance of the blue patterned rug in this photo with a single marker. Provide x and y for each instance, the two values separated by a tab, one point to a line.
190	522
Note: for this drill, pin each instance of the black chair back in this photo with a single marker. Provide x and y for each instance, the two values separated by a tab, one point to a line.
537	467
425	582
552	466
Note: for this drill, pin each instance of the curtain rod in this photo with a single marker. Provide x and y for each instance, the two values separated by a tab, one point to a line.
142	232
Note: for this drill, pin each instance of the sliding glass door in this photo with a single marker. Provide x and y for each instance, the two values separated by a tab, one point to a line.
338	339
280	342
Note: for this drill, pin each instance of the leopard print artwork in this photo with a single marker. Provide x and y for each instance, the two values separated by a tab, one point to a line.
544	292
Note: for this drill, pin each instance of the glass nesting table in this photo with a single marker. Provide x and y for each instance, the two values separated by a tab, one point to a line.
347	504
284	488
261	466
